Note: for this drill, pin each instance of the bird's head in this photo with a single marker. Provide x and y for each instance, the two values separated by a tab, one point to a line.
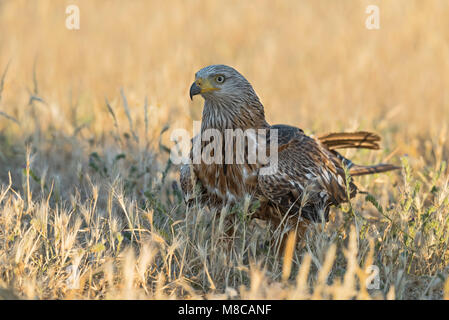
220	82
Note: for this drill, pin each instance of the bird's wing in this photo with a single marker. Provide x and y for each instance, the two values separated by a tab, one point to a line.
308	176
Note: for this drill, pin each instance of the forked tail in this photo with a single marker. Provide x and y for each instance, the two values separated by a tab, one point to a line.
361	139
357	170
342	140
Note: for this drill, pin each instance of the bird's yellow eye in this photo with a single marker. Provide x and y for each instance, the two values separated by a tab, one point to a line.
220	79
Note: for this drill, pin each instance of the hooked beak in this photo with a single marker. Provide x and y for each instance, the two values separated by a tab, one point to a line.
201	86
194	90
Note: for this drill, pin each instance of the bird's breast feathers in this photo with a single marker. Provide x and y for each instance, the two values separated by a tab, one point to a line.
229	182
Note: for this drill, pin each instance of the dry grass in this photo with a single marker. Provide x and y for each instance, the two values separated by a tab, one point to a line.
88	203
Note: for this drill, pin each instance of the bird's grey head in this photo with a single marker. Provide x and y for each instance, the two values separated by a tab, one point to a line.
221	83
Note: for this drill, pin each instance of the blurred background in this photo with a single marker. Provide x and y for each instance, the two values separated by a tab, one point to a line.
313	63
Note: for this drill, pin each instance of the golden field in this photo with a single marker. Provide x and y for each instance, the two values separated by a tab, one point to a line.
89	203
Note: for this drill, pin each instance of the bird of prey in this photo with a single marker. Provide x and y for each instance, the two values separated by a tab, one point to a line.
310	174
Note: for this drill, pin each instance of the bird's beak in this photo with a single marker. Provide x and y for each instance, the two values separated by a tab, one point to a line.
201	86
194	90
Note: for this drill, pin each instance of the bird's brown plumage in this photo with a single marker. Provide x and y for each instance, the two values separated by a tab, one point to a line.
310	176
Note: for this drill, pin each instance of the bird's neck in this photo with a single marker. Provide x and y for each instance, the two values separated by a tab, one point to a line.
237	115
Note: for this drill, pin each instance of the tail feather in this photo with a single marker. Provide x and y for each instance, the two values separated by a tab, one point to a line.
362	139
357	170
